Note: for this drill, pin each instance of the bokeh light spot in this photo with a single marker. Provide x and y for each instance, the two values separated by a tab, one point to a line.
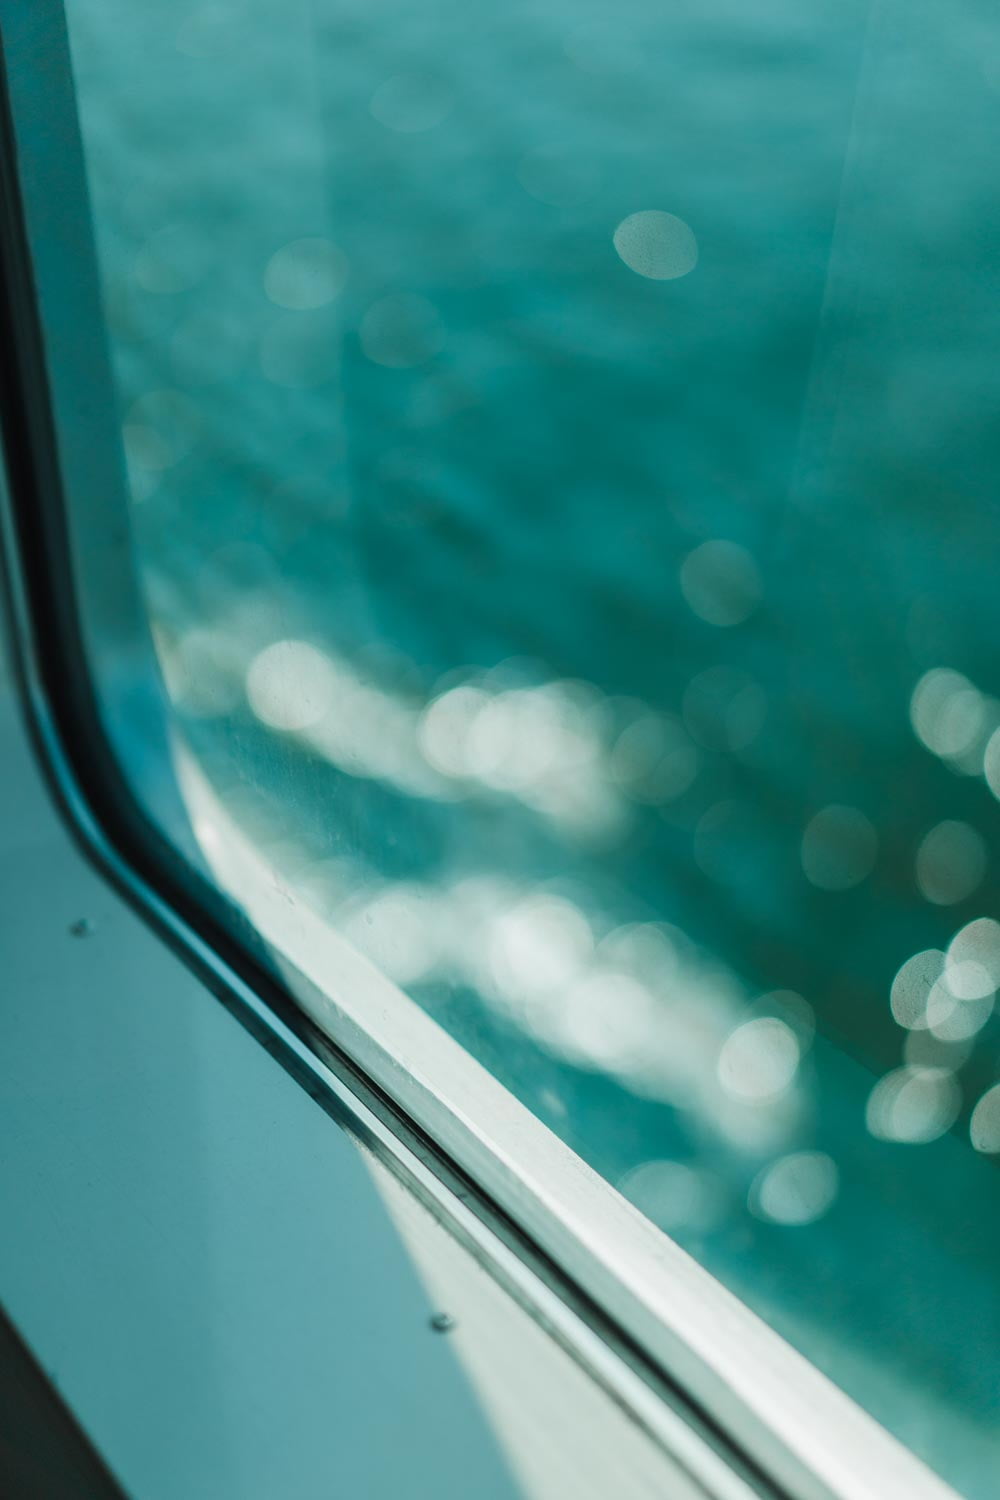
411	102
912	987
656	244
796	1189
305	273
951	863
674	1195
290	685
720	583
838	848
401	331
759	1059
946	711
913	1105
984	1126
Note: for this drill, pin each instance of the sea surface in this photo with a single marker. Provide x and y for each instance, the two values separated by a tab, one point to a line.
562	445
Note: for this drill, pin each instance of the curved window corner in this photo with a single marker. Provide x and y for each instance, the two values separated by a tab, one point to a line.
515	494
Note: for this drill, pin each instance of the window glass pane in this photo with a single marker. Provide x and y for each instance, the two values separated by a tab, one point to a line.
562	453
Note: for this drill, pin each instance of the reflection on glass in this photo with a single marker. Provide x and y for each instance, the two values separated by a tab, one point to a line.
562	454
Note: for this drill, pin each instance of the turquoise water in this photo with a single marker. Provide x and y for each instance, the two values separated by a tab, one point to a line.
577	639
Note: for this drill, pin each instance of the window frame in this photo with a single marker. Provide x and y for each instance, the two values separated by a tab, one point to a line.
707	1372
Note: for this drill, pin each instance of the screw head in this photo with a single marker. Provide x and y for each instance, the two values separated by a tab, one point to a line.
442	1322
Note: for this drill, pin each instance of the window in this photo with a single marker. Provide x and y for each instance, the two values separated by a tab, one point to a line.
559	452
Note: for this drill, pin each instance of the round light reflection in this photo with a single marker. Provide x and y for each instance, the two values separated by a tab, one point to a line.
984	1126
720	583
305	273
759	1059
797	1189
838	848
951	863
913	1105
656	244
290	685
